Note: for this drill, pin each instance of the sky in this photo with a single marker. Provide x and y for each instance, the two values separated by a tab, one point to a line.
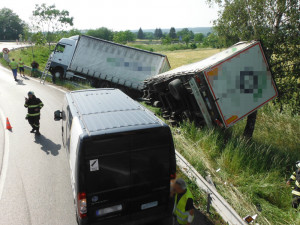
125	14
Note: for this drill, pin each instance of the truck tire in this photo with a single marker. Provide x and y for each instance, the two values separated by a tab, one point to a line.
157	104
58	73
176	89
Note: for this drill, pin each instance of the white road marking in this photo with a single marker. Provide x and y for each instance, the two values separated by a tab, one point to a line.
5	155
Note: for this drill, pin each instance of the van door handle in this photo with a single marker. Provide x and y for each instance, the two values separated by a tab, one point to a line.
59	59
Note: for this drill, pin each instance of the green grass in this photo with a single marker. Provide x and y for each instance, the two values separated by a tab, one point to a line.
252	172
38	53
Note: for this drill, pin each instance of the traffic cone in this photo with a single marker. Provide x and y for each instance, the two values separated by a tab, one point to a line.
8	126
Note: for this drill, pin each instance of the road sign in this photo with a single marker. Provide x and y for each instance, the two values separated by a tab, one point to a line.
5	50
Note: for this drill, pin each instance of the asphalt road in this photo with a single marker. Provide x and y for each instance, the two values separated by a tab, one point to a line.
35	183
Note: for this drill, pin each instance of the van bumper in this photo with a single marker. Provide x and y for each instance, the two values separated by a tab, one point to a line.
156	219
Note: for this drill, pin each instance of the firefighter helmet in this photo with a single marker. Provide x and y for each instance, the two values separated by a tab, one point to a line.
30	93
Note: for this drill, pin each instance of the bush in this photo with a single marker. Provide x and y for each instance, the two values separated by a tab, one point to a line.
193	46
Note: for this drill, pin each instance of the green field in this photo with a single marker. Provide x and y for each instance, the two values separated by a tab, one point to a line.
253	173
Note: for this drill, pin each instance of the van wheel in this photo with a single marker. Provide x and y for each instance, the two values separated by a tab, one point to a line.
176	89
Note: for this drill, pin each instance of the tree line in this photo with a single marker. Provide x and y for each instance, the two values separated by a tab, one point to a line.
49	24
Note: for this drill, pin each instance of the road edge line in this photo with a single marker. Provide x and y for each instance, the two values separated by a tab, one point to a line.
5	157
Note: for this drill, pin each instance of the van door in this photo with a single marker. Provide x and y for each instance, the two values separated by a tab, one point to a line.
152	163
107	177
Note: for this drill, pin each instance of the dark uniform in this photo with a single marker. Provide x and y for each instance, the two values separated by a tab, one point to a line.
34	106
296	192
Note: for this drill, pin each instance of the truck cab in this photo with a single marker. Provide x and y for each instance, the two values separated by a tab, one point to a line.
121	156
62	55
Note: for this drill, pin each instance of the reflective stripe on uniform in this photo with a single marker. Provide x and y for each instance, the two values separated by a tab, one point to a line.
33	114
296	192
293	177
297	184
33	106
41	105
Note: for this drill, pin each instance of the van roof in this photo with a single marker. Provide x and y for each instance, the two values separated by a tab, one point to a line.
103	111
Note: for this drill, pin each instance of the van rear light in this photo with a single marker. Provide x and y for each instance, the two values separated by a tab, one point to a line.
173	176
82	206
108	210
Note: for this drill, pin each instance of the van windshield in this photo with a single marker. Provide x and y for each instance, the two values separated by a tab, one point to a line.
130	159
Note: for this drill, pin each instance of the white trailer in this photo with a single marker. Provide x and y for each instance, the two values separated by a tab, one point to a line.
105	63
220	90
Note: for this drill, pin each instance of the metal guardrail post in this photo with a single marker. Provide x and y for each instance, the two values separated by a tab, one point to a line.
208	203
221	206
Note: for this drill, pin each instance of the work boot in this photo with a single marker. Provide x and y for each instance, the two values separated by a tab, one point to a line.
37	132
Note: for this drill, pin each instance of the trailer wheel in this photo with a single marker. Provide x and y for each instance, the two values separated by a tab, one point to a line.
176	89
157	104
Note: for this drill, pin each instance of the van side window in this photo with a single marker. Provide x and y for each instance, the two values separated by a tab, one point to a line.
60	48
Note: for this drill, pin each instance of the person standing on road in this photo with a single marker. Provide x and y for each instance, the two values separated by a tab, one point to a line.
295	177
34	106
14	67
21	67
183	205
34	66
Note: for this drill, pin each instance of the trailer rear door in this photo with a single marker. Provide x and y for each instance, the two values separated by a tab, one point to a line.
241	84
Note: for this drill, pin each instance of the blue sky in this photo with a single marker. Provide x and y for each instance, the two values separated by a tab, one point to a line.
125	14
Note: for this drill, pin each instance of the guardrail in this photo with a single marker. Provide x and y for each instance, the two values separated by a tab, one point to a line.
228	214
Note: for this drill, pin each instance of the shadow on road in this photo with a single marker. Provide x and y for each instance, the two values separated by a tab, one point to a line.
20	82
48	146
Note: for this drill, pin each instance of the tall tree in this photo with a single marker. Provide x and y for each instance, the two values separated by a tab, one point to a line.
123	37
276	23
172	33
184	33
158	33
199	37
103	33
10	25
140	34
50	20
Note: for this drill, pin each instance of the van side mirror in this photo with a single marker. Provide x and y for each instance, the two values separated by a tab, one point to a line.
57	115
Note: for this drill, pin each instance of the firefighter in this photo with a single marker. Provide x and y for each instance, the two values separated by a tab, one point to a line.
183	205
296	191
34	106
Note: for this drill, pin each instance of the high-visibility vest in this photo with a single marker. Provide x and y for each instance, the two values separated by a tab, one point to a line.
21	64
13	64
179	208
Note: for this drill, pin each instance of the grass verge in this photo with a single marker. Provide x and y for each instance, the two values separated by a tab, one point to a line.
253	173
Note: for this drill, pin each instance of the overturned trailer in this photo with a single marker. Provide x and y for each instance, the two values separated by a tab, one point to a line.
217	91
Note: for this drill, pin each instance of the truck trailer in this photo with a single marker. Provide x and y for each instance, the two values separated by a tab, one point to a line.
121	156
105	63
220	90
